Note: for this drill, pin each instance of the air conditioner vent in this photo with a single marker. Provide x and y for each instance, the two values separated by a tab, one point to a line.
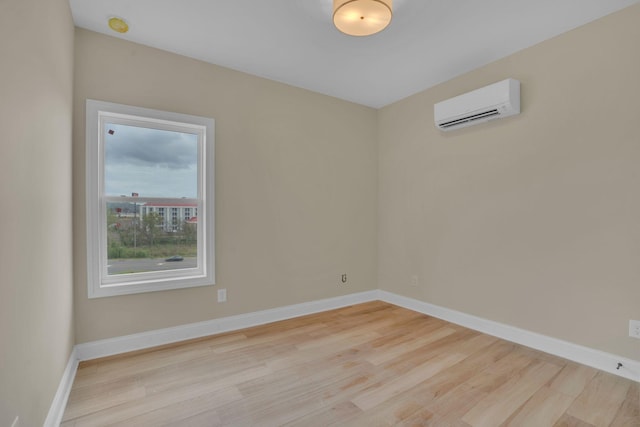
471	118
498	100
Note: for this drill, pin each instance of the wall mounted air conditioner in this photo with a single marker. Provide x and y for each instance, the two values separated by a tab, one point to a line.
498	100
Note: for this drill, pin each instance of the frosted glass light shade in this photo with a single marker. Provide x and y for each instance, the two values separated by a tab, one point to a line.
362	17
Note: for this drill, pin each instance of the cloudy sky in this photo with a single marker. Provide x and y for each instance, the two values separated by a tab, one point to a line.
150	162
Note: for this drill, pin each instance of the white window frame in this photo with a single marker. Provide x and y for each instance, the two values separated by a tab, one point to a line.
100	284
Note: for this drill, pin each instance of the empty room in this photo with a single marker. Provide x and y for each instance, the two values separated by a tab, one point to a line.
320	213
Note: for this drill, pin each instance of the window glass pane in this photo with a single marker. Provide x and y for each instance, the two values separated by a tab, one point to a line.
141	237
149	162
146	162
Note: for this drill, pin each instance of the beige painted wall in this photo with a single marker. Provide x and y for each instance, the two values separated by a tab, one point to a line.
296	194
533	221
36	321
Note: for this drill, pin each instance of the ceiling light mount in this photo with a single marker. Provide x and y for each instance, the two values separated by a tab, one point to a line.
118	25
362	17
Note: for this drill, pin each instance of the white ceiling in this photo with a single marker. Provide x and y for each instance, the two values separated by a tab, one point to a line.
295	42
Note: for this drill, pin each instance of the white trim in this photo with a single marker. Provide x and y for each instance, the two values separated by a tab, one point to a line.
112	346
584	355
56	410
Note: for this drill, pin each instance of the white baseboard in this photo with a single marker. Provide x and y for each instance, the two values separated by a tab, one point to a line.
56	410
584	355
112	346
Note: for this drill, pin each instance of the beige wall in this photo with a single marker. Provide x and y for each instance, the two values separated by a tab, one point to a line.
533	221
296	194
36	322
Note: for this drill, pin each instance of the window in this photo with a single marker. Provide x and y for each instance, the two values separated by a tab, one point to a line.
143	169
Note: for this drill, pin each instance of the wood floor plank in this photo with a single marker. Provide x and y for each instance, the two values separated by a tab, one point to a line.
500	404
327	416
477	362
387	354
372	364
276	400
298	334
106	395
186	411
203	419
606	391
338	347
573	379
568	421
629	413
455	403
392	412
141	362
395	410
414	357
123	413
426	395
404	382
543	409
425	418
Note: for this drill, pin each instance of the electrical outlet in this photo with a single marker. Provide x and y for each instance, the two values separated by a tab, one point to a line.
414	281
634	328
222	295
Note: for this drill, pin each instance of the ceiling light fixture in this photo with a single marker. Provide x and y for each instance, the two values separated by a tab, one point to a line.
118	24
362	17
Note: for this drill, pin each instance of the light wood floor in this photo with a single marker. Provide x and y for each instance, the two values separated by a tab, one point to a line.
371	364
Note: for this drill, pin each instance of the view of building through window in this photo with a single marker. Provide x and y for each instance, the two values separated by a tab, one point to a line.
152	225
